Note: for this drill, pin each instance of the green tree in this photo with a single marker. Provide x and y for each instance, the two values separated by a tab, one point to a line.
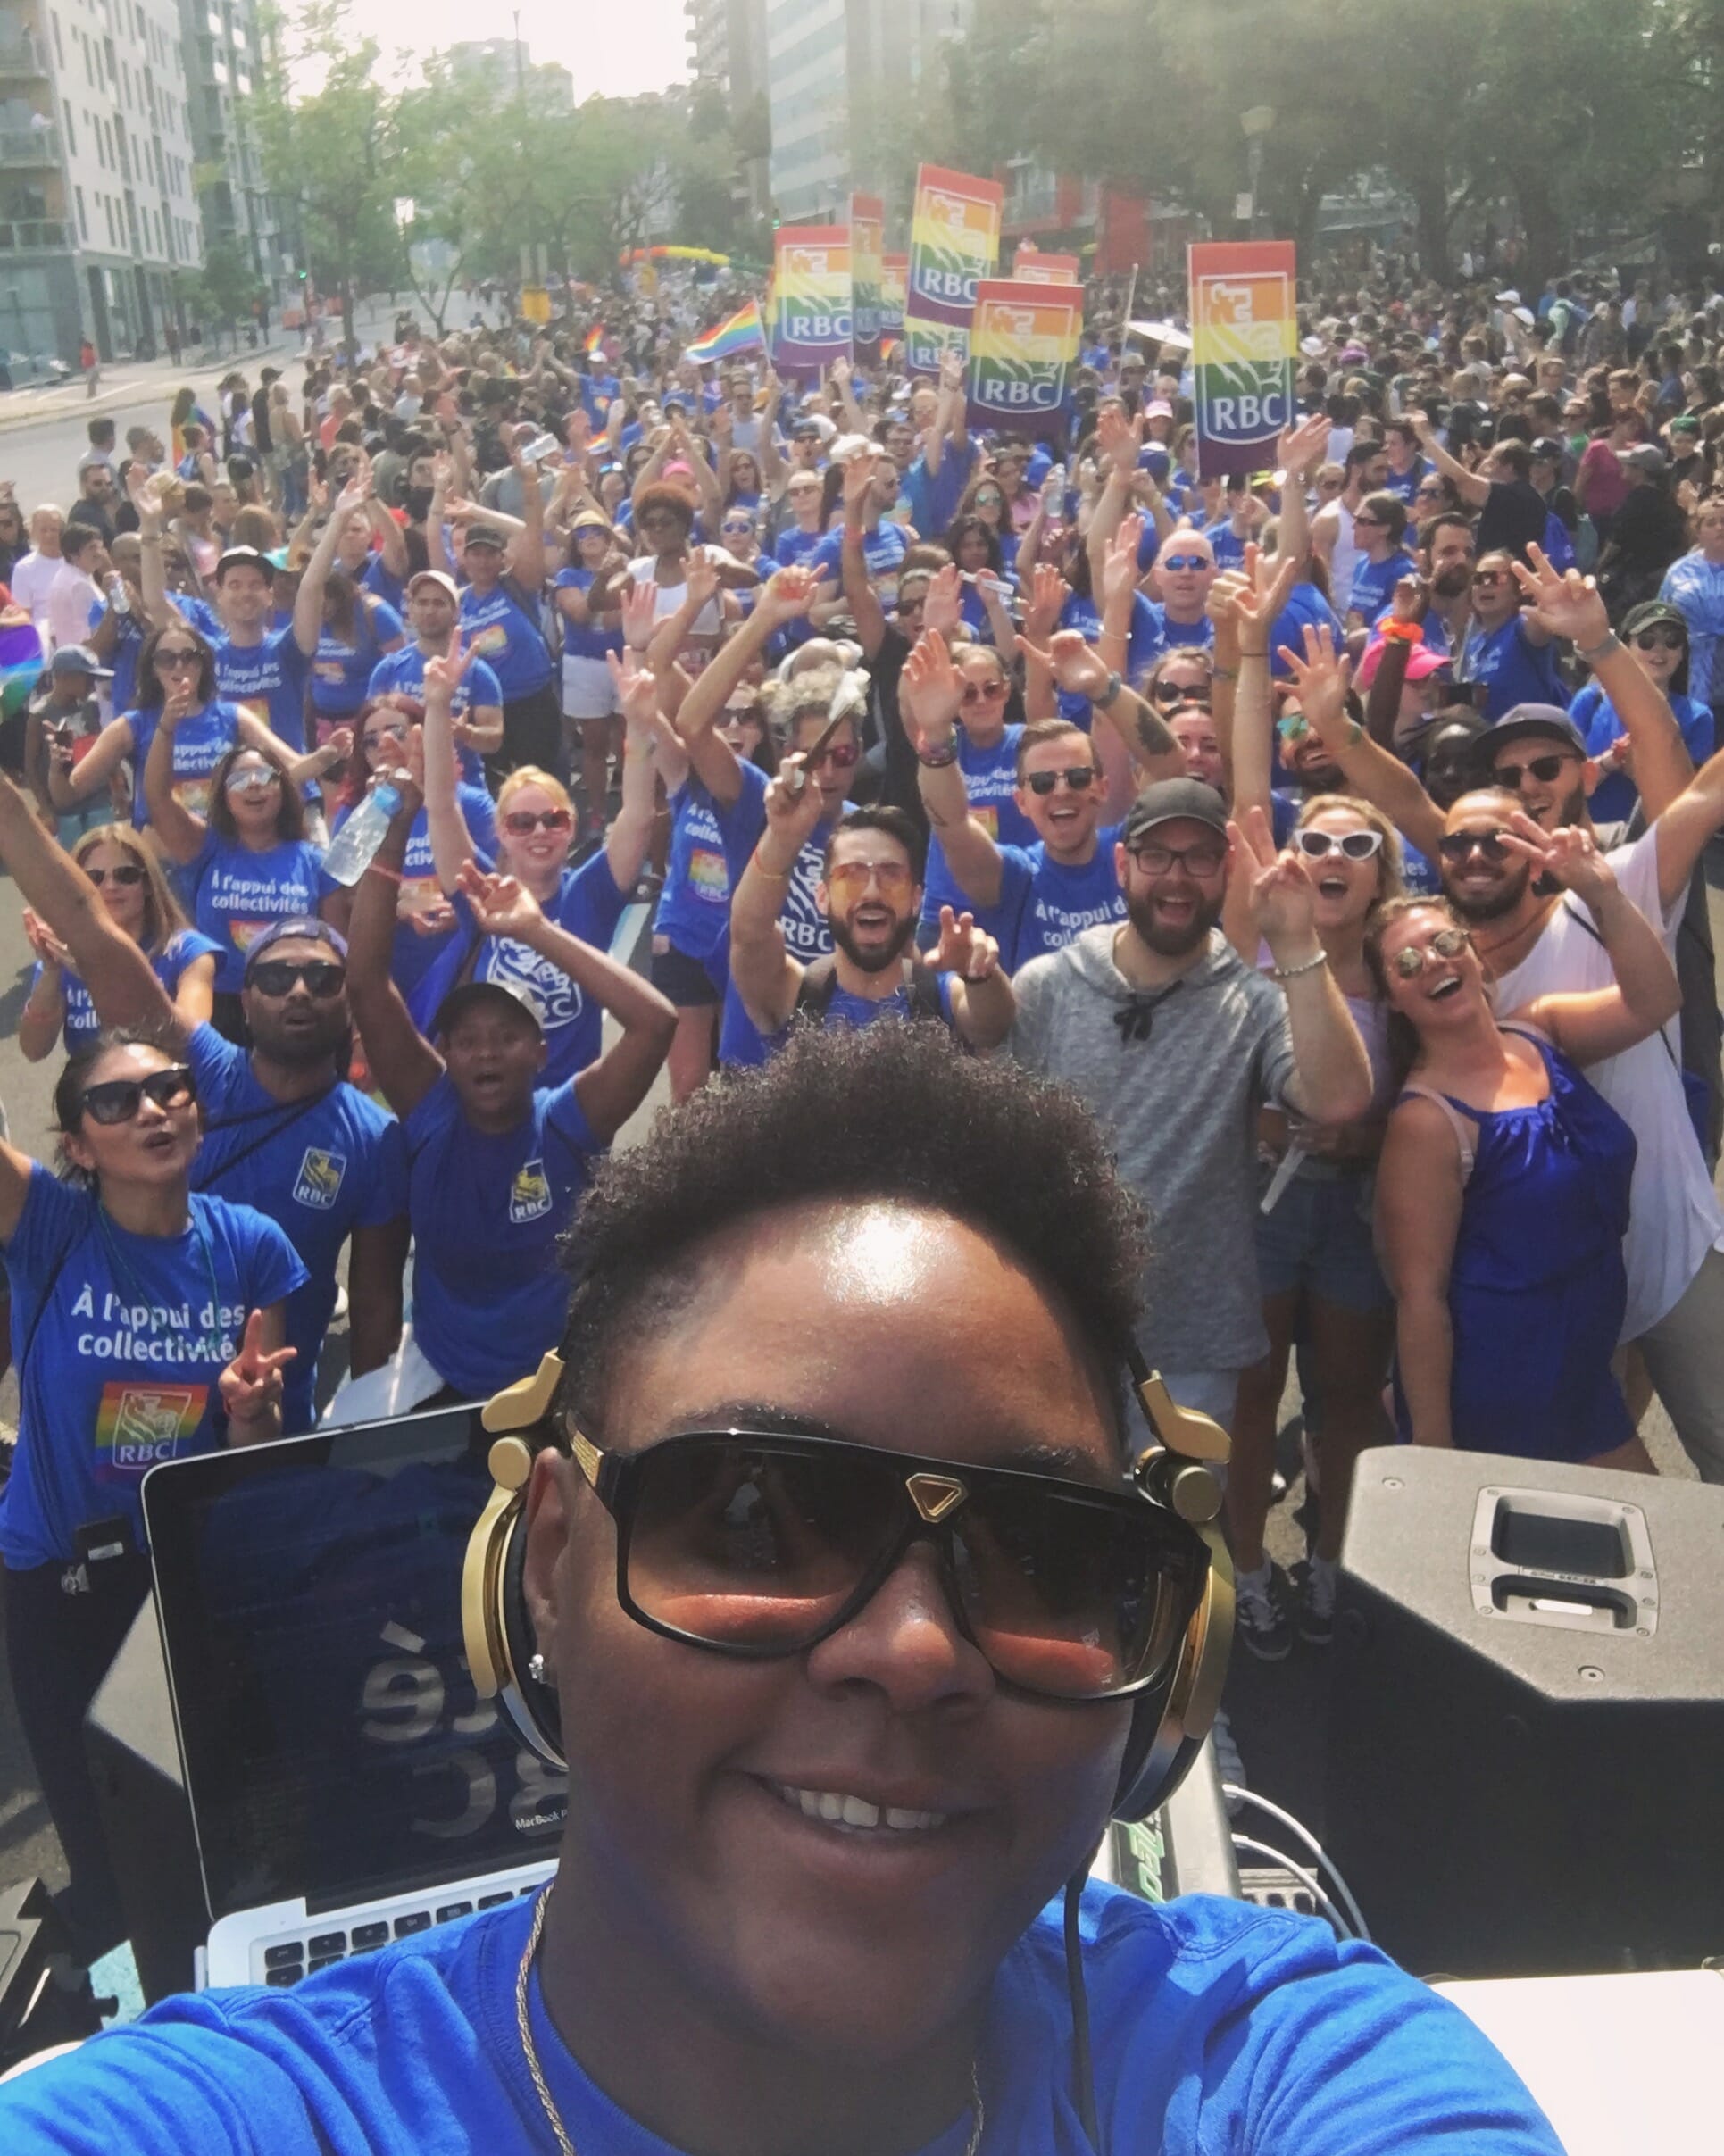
228	283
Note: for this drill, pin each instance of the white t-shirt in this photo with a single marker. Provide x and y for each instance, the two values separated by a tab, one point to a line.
70	596
31	578
1674	1217
710	620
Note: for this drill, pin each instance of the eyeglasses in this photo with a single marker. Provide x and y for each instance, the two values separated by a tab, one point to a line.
1660	639
850	878
1201	860
1190	560
254	778
1359	517
1456	846
1412	959
986	692
521	823
841	755
175	657
741	529
1357	846
1429	492
119	1100
760	1546
1482	579
128	872
1543	768
990	501
1078	778
1170	692
276	977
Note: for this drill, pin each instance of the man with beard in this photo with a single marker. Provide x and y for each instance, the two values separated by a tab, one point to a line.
284	1132
1507	658
869	892
1176	1043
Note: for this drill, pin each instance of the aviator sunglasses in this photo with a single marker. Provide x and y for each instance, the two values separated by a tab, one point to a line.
759	1544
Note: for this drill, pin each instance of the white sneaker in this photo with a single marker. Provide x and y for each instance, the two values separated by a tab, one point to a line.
340	1310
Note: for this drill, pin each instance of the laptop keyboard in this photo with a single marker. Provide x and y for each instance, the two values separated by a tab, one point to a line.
287	1961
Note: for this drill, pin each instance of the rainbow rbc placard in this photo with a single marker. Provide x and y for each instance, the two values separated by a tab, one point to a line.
895	279
1243	337
955	242
810	297
1023	344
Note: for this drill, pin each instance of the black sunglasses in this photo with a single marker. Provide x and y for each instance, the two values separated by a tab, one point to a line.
128	872
324	976
1077	778
1543	768
1660	639
1456	845
1170	692
761	1544
119	1100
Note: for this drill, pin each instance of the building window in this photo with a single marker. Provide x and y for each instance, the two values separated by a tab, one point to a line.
59	49
83	221
71	139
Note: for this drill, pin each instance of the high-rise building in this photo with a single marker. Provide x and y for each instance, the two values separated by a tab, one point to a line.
224	63
97	211
727	40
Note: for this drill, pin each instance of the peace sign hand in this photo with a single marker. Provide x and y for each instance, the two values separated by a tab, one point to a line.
1282	897
445	674
252	1383
1568	854
500	906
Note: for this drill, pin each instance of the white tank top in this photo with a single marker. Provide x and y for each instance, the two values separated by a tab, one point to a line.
1344	558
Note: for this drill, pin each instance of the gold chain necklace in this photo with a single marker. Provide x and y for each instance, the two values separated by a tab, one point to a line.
531	2050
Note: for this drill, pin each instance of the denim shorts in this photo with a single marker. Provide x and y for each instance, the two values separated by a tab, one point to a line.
1318	1238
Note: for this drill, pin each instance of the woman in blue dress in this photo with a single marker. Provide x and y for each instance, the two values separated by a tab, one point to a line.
1503	1190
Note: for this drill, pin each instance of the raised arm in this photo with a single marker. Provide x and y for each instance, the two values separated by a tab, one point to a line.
983	1005
391	540
526	556
627	841
1081	672
858	593
1299	452
452	844
308	606
1408	609
146	500
403	1062
1371	771
70	783
767	977
715	765
181	830
1472	487
930	695
610	1090
1119	440
1590	1027
771	464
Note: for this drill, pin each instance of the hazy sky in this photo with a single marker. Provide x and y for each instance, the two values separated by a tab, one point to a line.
617	51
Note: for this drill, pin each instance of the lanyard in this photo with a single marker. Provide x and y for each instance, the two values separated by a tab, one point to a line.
210	1343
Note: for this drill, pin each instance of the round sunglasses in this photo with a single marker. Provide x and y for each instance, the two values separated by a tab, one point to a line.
1412	959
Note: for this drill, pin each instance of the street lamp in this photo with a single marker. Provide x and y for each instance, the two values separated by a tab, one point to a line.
1255	123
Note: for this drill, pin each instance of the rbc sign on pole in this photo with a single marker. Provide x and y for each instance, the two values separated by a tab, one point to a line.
1244	335
810	297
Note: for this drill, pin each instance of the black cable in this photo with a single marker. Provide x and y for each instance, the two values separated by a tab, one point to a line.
1083	2067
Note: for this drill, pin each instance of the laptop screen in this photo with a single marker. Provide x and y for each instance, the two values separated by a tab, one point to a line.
309	1601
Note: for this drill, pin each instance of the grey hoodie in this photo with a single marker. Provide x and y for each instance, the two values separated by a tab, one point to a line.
1178	1107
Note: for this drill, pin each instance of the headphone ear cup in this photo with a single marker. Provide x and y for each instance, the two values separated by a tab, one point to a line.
1170	1724
532	1706
496	1629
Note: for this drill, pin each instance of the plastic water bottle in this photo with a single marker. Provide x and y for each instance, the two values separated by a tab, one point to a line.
356	843
118	597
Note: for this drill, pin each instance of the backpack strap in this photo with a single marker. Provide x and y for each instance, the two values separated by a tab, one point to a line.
1456	1122
819	981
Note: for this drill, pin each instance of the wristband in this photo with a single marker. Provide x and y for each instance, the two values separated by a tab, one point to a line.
1109	693
1223	673
771	875
379	867
936	760
1401	632
1309	965
1611	643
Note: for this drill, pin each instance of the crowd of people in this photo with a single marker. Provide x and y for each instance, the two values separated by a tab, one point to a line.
1333	832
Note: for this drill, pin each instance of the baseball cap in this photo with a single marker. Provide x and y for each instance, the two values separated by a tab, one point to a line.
1171	801
1528	722
1652	612
1158	408
591	520
1422	662
1547	450
77	659
485	534
435	575
1684	423
303	927
1642	457
245	557
463	998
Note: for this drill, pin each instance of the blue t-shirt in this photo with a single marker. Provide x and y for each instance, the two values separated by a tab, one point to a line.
378	579
81	1025
414	953
1226	544
1512	668
591	642
122	1368
199	612
341	672
507	638
1305	605
1695	586
883	549
1216	2026
318	1171
990	780
1195	636
588	903
933	497
797	546
1045	904
238	894
695	906
1374	582
1405	485
200	742
1615	795
805	933
487	1209
1143	643
403	673
855	1012
122	658
267	679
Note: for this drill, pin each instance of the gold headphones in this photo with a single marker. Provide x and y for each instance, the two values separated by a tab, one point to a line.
1169	1723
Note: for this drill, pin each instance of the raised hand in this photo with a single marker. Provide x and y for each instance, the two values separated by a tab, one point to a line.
1300	449
1120	569
1257	608
1323	678
793	806
1569	854
639	612
1411	600
964	949
338	748
501	905
637	690
1563	602
943	609
788	592
180	702
355	494
930	689
445	673
1074	665
1282	897
42	939
1118	437
951	369
250	1385
858	478
436	919
700	578
1049	593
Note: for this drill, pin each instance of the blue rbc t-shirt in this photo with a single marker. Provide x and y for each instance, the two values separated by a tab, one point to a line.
990	778
1045	903
1144	644
508	640
341	670
883	549
588	903
268	680
414	953
487	1209
591	642
200	742
120	1341
238	894
1614	797
403	673
81	1026
1374	582
694	907
1216	2027
1512	668
805	933
319	1172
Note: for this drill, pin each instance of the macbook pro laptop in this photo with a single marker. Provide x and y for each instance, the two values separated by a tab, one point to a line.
348	1787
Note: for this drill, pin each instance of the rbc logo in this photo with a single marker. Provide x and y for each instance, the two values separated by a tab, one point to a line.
819	328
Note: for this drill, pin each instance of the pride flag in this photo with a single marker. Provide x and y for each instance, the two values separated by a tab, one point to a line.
744	332
593	341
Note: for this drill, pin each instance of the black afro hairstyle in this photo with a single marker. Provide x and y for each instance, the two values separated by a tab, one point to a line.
891	1112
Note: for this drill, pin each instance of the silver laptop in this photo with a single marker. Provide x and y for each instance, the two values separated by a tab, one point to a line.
348	1787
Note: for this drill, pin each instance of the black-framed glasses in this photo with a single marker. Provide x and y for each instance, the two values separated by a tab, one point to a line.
1078	778
126	872
118	1100
761	1544
1202	860
1456	846
276	977
1543	768
1412	959
1357	846
174	657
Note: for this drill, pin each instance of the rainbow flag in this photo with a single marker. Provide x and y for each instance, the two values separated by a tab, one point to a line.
593	342
744	332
